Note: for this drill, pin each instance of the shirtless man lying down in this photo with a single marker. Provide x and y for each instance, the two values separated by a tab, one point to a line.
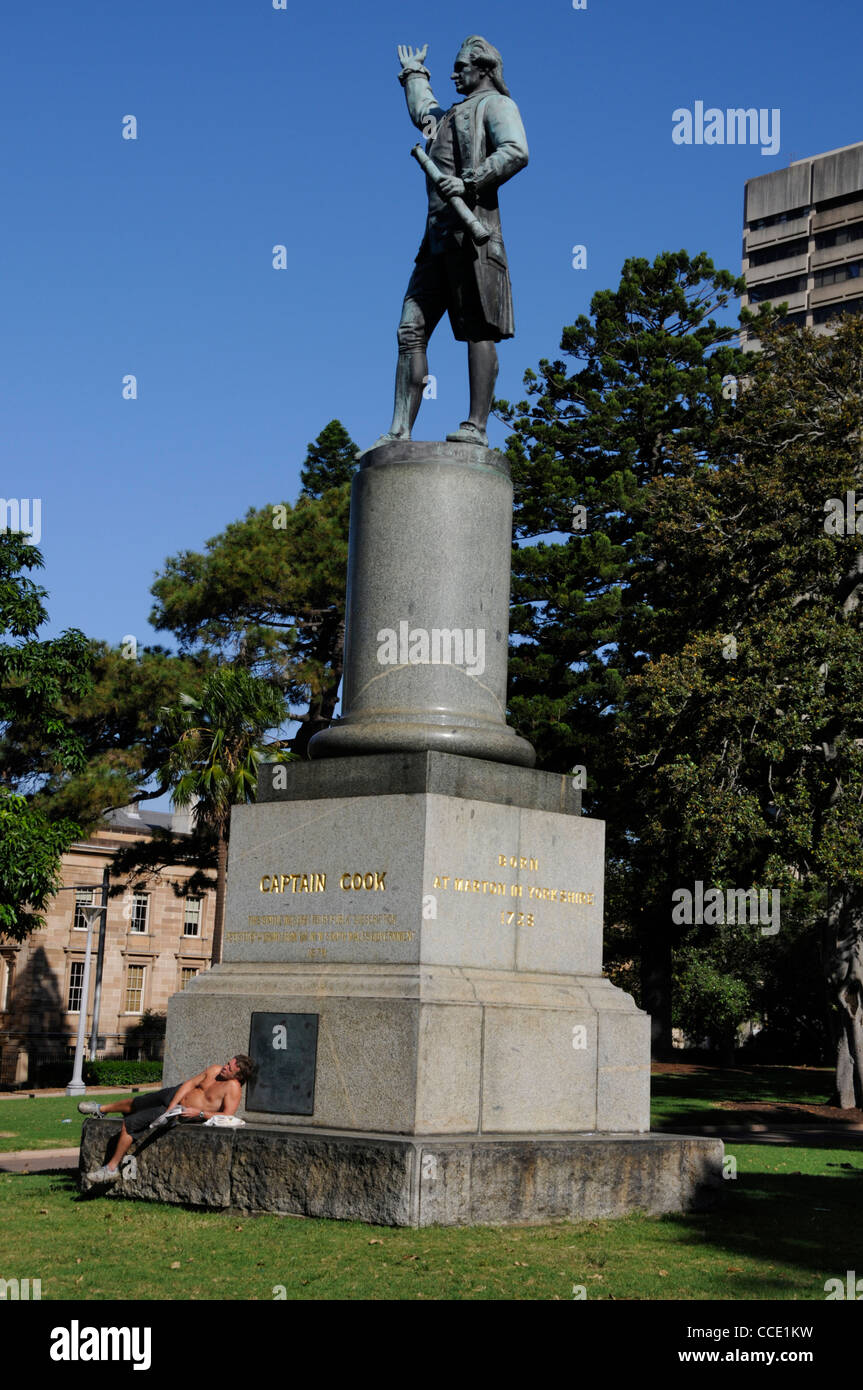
215	1091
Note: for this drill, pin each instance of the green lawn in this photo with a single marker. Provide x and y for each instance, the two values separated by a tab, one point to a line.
38	1124
678	1097
787	1223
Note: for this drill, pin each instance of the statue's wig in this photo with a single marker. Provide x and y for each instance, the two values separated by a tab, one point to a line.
484	55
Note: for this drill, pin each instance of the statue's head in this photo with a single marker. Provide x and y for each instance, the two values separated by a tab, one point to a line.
478	59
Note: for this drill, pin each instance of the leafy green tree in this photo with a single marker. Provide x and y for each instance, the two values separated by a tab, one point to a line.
213	764
709	1002
648	380
117	724
269	592
743	735
35	680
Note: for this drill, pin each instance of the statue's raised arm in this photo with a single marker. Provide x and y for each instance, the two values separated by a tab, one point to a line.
461	267
411	58
424	107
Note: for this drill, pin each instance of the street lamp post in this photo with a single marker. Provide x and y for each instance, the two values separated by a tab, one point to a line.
100	961
76	1086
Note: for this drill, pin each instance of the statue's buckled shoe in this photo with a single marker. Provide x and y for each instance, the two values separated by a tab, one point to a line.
469	433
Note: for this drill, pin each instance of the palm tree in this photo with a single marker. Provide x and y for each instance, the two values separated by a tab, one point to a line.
213	764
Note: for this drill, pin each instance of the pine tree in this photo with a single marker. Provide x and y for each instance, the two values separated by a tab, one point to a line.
269	592
652	366
742	738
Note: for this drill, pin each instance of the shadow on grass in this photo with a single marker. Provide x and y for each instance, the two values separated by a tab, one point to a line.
804	1224
686	1101
807	1221
799	1085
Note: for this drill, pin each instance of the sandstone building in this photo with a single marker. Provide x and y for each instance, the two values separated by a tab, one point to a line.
156	941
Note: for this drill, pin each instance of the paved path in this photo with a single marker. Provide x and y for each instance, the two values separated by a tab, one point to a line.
804	1136
91	1091
38	1160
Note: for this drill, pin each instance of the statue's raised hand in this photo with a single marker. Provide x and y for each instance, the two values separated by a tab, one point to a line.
411	59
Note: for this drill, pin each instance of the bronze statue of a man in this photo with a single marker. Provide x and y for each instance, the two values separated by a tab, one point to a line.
476	145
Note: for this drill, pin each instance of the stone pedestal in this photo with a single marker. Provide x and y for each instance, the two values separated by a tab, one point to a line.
427	606
448	946
510	1180
413	934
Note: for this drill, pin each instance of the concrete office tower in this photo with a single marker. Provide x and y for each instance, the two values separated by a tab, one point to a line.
803	238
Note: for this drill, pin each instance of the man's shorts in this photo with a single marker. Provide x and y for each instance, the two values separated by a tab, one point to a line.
447	283
147	1108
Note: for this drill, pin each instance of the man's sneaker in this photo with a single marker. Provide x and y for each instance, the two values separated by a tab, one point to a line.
104	1174
90	1107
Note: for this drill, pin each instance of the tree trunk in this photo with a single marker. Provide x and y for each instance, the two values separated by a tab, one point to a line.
322	706
221	887
843	969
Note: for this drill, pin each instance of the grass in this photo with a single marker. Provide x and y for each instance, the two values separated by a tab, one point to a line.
38	1124
678	1097
786	1224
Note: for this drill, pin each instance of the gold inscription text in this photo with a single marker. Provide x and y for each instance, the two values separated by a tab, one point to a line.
295	883
354	882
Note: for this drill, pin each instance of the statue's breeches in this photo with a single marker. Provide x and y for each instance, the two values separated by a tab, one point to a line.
466	282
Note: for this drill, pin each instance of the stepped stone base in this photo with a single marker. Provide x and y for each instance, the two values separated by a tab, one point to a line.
511	1180
430	1050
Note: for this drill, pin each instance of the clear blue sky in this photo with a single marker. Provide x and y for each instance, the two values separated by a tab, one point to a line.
259	126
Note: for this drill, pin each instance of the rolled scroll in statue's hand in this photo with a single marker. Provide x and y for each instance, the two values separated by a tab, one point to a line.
479	233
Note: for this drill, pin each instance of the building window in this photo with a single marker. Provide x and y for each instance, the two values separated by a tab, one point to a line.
76	986
777	218
192	917
839	236
83	898
831	311
6	994
140	912
779	253
186	974
837	273
777	289
843	201
135	989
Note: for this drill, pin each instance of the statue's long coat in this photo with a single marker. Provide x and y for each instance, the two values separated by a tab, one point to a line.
491	146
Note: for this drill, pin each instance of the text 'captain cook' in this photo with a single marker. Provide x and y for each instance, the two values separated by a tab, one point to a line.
474	147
